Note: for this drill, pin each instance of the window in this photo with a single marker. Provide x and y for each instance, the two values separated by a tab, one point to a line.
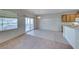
8	23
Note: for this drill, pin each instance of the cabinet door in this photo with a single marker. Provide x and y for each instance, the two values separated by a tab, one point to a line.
64	18
77	15
68	18
73	16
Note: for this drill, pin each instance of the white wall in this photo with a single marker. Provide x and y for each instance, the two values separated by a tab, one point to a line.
50	22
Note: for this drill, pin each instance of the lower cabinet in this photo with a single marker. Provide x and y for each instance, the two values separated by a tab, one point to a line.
71	35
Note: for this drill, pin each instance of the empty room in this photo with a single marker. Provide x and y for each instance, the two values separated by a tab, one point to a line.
39	29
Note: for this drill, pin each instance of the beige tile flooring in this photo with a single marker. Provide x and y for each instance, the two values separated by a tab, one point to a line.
50	35
28	41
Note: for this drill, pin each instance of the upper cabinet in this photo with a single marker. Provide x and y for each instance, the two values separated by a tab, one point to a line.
64	18
72	16
69	17
77	15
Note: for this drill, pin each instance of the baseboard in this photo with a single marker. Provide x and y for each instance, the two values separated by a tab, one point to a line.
18	36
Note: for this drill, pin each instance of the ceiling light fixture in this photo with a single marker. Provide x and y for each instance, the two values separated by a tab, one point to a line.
38	17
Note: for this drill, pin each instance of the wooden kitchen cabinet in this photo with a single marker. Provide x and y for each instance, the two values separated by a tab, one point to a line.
73	16
69	17
77	15
64	17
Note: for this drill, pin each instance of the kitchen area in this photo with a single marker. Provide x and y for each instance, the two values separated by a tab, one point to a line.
70	29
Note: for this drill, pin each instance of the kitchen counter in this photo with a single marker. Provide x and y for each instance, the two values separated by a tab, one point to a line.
73	26
71	34
65	23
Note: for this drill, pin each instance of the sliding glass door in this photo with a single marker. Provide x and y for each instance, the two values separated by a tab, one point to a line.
0	24
29	24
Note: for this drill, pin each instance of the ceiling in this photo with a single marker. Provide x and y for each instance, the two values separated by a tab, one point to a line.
47	11
6	13
40	11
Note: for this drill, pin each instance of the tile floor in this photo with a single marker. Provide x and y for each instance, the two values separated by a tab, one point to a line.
50	35
44	40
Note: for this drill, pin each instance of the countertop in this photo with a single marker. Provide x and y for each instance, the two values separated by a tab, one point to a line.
73	26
